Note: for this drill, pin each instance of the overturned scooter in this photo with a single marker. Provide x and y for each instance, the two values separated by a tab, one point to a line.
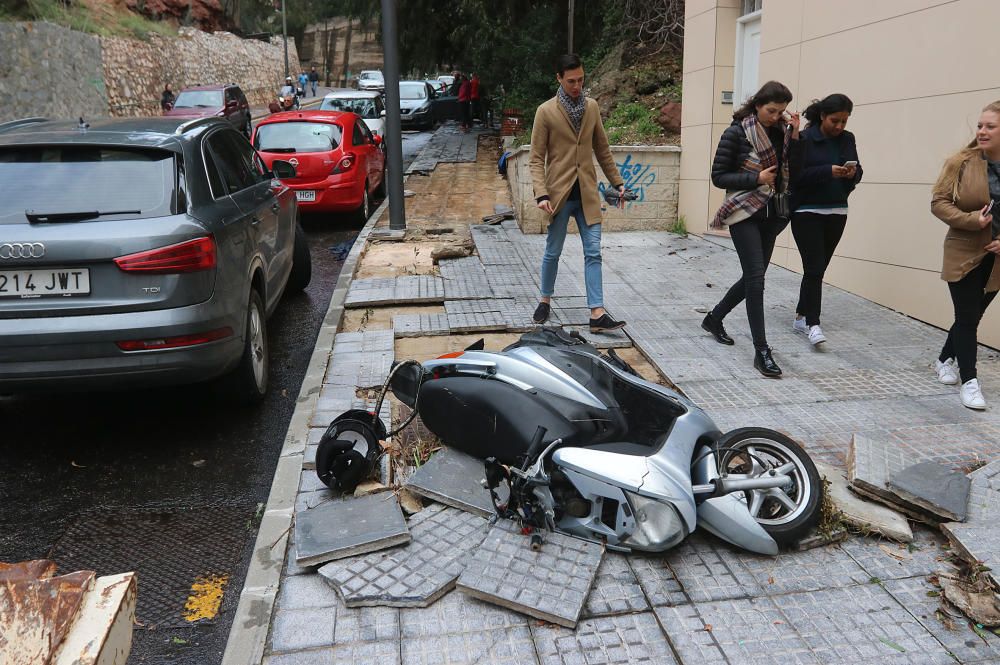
589	448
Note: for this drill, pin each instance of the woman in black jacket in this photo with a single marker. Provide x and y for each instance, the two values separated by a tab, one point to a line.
825	170
751	164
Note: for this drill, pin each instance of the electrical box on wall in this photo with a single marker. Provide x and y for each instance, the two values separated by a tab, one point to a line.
727	97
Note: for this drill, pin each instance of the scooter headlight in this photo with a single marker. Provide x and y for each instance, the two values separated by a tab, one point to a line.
658	525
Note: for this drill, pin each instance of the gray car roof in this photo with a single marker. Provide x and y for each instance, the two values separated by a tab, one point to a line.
134	132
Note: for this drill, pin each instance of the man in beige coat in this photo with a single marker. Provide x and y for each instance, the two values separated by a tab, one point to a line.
566	136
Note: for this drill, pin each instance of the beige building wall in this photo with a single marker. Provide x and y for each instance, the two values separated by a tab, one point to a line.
918	71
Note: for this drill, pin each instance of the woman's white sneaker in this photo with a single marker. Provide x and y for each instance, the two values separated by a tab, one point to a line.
816	335
799	325
947	371
972	396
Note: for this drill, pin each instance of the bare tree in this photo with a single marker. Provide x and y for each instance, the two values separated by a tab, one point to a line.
658	24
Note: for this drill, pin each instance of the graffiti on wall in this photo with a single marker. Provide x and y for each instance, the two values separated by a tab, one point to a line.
637	177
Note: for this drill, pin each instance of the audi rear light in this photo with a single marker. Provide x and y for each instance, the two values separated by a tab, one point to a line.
344	164
191	256
176	341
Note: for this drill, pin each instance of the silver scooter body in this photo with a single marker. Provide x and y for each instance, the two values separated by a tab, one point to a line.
651	497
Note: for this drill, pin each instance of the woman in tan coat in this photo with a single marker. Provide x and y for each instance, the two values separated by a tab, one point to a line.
963	195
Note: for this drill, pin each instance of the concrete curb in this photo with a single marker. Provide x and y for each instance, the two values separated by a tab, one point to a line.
252	619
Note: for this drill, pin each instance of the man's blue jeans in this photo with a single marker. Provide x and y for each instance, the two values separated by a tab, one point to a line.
591	238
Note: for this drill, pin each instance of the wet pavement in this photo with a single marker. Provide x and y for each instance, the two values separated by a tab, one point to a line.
167	482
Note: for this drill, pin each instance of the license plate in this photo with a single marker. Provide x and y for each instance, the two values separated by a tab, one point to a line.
48	283
303	195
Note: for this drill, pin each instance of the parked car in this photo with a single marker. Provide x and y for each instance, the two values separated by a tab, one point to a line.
141	251
416	104
439	87
225	100
371	79
339	163
367	104
447	79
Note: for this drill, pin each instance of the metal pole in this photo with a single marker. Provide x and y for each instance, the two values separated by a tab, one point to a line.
393	129
284	33
570	30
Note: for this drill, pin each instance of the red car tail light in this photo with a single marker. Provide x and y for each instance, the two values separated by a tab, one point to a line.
344	164
191	256
176	341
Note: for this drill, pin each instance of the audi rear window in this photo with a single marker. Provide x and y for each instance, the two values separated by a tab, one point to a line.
297	137
78	178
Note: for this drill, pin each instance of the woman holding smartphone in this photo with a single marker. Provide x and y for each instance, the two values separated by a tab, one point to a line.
824	169
751	164
963	196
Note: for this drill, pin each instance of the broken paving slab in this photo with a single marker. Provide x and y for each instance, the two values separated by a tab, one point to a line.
977	544
614	339
455	479
984	495
937	489
420	325
403	290
870	464
551	584
349	527
865	515
415	575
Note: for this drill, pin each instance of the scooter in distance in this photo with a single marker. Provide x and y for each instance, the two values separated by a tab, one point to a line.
574	441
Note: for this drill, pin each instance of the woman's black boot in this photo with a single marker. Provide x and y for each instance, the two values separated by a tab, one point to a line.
714	326
765	364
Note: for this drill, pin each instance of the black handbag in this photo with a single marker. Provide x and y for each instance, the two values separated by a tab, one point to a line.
782	202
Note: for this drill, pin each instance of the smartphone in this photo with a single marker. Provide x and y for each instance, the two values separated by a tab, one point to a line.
849	164
989	207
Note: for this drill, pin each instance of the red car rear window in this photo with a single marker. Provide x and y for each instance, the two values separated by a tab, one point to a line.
298	136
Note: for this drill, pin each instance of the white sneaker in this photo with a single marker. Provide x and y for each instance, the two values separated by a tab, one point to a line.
799	325
972	396
947	371
816	335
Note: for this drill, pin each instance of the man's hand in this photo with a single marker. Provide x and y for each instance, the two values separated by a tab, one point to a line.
994	247
768	176
621	189
546	205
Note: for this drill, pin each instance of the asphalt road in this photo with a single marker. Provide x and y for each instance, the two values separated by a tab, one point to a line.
165	482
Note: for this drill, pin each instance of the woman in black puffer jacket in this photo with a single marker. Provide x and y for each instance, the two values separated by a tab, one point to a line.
824	170
751	164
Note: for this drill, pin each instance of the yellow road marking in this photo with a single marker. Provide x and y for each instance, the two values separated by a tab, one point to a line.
205	597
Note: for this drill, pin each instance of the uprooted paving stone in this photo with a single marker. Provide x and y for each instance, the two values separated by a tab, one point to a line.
935	488
338	529
975	599
403	290
870	465
551	584
615	339
453	478
416	574
977	540
865	515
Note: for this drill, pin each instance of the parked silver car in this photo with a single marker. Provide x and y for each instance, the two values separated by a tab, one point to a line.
140	252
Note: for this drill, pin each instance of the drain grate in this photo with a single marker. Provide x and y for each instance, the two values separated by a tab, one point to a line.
173	552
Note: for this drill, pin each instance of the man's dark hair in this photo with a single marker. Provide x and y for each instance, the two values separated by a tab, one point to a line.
568	61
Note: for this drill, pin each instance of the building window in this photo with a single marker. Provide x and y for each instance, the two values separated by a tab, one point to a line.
751	6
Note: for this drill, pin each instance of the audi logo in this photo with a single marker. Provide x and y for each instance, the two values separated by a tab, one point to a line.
22	250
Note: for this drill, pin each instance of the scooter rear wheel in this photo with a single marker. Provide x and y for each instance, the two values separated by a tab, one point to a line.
786	513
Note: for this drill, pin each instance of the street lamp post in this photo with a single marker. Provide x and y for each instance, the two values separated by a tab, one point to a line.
393	129
284	34
570	27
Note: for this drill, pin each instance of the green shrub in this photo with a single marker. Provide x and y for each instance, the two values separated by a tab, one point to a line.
632	123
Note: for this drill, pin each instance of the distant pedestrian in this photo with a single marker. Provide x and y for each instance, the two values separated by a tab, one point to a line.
303	82
969	185
824	170
565	138
751	164
167	98
474	98
313	79
465	103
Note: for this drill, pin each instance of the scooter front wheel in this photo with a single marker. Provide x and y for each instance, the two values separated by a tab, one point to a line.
786	513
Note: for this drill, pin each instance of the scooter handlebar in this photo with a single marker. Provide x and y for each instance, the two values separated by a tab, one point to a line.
536	446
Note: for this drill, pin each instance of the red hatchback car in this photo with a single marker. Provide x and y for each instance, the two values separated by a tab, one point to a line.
338	161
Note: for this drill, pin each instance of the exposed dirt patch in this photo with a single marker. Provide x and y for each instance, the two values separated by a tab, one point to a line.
392	259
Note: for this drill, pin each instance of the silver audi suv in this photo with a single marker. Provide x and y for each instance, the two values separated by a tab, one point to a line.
142	251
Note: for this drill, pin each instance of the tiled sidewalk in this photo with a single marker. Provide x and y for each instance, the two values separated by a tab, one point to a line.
703	602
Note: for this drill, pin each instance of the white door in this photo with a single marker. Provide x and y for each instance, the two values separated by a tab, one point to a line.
747	58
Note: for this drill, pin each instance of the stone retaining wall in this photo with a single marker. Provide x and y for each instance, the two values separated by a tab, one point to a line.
651	171
61	73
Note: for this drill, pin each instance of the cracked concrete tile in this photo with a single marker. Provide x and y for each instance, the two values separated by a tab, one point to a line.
630	638
349	527
550	584
453	478
933	487
616	589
